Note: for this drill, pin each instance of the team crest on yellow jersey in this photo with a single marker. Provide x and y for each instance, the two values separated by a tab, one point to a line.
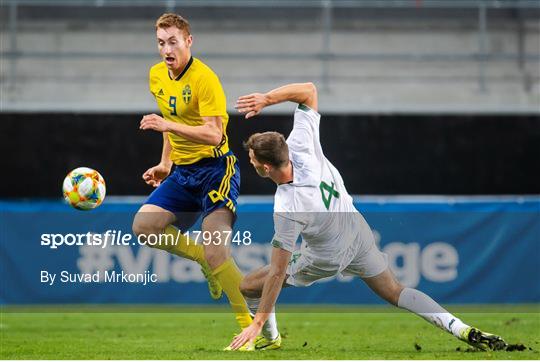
186	94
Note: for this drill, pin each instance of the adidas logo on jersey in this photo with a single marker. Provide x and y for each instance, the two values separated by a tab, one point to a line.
160	93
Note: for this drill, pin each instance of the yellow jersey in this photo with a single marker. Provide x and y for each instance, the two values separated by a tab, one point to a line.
194	94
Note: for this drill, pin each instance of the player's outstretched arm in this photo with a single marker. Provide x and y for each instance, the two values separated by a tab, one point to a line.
271	289
252	104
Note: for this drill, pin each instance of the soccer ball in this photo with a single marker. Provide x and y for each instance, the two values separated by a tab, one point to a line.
84	188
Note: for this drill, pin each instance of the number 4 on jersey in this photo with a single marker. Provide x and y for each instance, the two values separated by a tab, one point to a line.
327	192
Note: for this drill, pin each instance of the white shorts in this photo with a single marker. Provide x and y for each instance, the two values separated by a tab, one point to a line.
366	261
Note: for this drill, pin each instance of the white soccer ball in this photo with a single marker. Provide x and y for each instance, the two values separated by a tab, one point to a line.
84	188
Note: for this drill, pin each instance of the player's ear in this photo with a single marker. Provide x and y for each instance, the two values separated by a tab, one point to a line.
266	168
189	40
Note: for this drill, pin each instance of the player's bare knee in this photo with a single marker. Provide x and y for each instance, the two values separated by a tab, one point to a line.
138	227
142	227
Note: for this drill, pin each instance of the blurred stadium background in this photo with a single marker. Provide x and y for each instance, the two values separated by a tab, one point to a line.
418	97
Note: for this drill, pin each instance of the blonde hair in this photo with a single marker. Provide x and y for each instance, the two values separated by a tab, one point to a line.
168	20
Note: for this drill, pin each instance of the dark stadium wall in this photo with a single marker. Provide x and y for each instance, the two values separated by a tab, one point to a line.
388	154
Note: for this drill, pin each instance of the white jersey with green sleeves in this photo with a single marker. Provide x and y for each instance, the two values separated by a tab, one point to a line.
316	205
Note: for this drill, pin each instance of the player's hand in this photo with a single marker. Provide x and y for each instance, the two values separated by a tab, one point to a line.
154	122
154	175
251	104
248	335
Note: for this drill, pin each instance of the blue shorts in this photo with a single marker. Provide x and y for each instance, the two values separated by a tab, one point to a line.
200	188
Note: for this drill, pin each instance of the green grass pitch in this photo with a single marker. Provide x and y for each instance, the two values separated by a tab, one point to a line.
181	332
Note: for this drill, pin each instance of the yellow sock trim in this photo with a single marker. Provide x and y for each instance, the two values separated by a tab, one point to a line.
184	247
229	276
